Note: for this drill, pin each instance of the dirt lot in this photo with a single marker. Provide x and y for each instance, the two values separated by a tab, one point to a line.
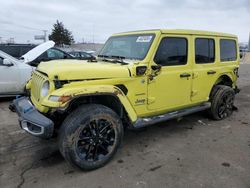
246	57
192	152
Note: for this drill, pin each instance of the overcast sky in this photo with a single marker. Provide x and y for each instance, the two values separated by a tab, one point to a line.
96	20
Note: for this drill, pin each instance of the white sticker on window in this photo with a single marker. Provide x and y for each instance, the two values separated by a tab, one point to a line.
144	39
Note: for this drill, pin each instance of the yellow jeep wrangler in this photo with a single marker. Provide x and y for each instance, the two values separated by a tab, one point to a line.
139	78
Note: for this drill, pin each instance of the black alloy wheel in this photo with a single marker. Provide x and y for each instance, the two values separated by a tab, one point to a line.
96	140
90	136
222	102
226	105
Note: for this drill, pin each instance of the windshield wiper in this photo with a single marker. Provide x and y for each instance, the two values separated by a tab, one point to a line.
118	57
115	58
102	56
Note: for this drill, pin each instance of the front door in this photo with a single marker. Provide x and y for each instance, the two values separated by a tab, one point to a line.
9	78
170	88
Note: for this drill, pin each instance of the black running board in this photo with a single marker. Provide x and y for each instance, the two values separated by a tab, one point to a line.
143	122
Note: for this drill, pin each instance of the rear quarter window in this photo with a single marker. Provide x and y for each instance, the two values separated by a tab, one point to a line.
228	50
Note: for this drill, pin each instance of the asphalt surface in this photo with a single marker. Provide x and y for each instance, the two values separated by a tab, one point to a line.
190	152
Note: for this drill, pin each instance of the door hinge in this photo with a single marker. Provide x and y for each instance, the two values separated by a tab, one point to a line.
193	93
151	100
194	75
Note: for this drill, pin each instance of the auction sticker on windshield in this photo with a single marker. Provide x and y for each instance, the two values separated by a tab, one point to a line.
144	39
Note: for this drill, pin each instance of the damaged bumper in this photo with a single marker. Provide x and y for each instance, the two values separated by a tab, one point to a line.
31	120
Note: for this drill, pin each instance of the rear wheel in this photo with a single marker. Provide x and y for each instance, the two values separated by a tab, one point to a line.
90	136
222	101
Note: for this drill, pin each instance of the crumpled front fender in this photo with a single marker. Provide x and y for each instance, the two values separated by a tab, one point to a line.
79	91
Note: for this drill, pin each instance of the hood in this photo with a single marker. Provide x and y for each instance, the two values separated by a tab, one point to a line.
81	70
37	51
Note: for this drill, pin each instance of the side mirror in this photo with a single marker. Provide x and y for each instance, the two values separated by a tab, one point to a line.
7	63
156	68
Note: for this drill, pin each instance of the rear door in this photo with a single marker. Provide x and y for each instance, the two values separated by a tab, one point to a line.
171	87
205	67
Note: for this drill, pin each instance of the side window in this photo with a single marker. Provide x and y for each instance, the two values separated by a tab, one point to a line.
204	51
77	54
83	54
43	57
87	55
55	54
172	51
228	50
1	61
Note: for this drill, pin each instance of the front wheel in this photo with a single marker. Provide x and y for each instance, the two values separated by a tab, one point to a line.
222	101
90	136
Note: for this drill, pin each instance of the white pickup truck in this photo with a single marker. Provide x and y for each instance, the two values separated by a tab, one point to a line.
14	73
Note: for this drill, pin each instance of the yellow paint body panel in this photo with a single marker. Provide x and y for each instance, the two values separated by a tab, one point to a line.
146	97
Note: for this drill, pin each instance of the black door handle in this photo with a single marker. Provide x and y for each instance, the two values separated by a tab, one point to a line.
211	72
185	75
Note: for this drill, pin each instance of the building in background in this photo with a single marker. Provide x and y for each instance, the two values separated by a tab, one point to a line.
92	48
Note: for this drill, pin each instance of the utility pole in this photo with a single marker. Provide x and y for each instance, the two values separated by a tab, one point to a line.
93	34
11	40
42	37
249	43
45	35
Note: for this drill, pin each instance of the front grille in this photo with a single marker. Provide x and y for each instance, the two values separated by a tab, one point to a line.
37	82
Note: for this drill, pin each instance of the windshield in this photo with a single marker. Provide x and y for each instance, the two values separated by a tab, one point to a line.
129	46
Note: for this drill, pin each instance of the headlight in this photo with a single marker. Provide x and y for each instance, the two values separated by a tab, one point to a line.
45	89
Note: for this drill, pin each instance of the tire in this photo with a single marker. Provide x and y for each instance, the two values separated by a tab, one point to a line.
222	102
90	136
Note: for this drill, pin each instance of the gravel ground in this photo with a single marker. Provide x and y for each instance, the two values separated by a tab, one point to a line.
246	57
191	152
